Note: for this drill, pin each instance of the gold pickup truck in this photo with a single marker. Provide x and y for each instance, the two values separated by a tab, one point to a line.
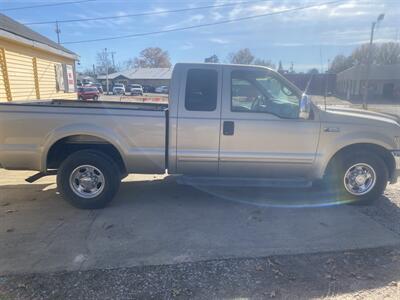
224	123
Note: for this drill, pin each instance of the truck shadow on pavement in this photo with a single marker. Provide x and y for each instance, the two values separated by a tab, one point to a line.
241	233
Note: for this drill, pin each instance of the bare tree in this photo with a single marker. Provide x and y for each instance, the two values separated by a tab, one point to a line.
388	54
212	59
243	56
280	67
360	54
152	57
340	63
88	72
313	71
382	54
264	62
103	60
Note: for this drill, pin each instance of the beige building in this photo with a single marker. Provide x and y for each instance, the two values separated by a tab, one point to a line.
32	66
384	82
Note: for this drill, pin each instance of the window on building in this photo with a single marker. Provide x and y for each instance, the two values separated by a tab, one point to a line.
60	86
201	90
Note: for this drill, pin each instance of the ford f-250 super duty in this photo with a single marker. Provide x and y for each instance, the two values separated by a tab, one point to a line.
231	123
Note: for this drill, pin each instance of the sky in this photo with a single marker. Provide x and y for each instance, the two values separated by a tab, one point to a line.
308	38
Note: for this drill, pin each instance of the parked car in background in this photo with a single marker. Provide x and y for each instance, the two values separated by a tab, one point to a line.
162	89
148	89
88	92
135	89
99	87
119	89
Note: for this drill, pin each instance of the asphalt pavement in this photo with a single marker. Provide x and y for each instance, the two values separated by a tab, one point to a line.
155	221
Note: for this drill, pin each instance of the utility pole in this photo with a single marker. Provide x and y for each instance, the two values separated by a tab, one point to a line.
112	58
106	55
369	57
58	31
320	60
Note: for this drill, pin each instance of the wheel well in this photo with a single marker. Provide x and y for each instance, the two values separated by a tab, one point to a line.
60	150
365	147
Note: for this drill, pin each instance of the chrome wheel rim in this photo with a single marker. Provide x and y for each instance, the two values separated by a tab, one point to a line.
87	181
359	179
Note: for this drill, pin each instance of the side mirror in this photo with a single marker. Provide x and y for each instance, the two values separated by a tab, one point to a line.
305	107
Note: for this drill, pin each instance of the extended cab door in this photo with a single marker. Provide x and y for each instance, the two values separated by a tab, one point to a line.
198	122
261	134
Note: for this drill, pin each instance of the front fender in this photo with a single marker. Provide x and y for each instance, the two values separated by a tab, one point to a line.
332	142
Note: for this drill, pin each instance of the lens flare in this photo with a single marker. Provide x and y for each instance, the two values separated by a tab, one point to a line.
277	198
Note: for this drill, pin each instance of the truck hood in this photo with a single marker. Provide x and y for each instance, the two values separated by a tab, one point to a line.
359	116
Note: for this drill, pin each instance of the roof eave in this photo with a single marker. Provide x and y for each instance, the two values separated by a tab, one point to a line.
14	37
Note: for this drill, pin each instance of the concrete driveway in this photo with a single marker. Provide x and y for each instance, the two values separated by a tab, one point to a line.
155	221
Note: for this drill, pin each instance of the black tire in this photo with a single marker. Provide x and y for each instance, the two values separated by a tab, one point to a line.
95	98
102	163
81	98
336	176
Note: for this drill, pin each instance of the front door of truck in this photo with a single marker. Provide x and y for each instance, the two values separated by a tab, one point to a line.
261	133
198	124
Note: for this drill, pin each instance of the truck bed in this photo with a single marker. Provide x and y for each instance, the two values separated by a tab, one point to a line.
90	104
29	129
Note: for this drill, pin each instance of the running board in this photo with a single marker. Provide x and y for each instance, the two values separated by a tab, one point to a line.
244	182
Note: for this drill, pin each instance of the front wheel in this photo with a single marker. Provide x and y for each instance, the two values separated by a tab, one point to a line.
88	179
95	98
360	177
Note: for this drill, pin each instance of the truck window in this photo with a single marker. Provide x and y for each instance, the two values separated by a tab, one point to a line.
201	90
257	91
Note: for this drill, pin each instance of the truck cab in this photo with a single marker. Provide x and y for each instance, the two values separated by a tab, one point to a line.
234	120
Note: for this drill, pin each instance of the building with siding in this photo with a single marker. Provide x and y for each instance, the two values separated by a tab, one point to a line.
383	83
33	67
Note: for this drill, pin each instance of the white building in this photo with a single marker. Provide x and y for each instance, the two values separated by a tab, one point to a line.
384	82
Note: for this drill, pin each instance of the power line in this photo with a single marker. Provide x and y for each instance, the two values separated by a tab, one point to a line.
149	13
204	25
45	5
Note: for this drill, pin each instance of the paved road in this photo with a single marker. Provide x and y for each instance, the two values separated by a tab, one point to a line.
154	221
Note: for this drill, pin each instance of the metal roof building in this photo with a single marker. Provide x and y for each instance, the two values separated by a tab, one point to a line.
144	76
384	81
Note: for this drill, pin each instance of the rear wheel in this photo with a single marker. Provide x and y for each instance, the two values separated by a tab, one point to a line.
95	98
359	177
88	179
81	98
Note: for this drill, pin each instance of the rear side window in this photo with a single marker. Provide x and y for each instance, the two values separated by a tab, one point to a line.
201	90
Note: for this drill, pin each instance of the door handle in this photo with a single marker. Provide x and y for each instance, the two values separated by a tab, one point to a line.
228	128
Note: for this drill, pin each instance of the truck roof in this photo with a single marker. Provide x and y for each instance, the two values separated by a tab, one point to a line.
221	64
